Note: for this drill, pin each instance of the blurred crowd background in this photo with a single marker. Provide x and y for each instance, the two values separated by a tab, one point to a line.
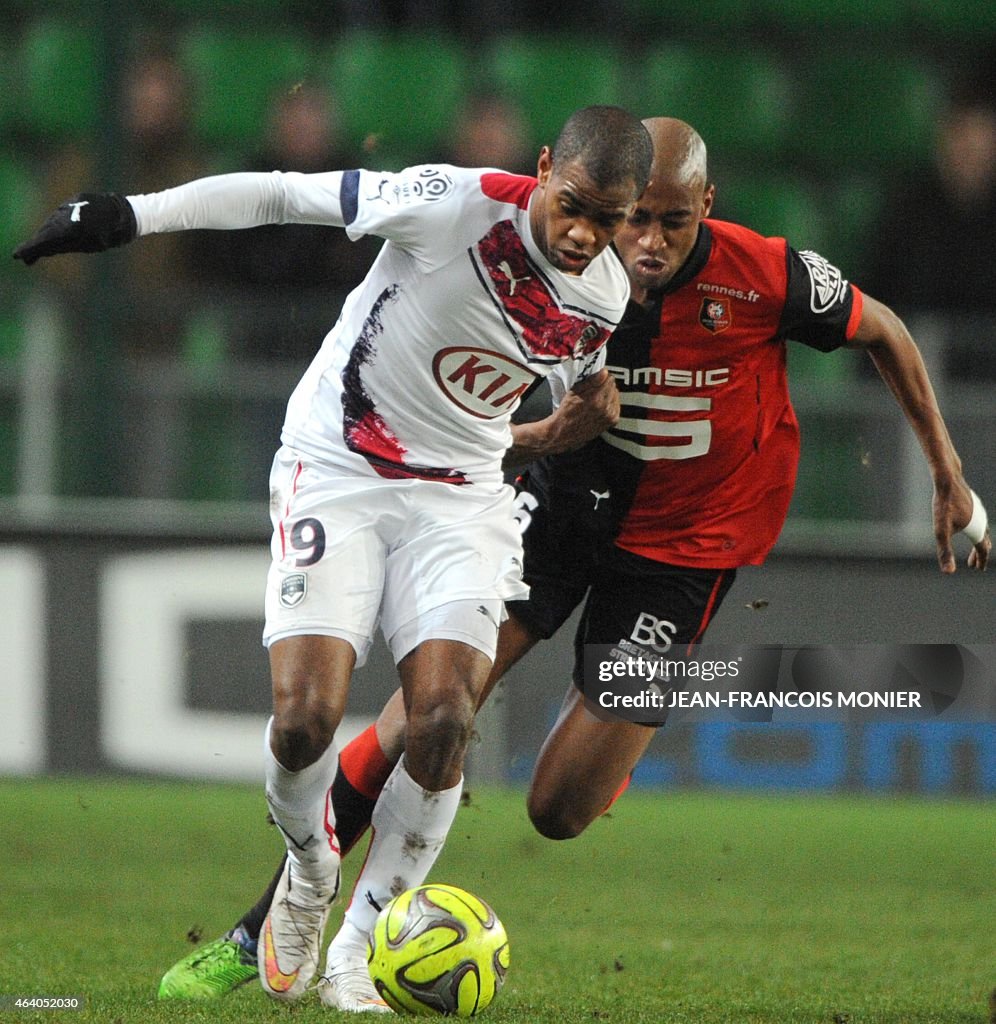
863	129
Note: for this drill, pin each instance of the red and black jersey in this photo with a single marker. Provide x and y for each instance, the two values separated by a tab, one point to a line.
700	469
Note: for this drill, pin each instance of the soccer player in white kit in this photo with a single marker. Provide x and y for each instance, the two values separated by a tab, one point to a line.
387	498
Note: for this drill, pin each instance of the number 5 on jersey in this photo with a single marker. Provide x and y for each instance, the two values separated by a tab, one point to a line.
698	432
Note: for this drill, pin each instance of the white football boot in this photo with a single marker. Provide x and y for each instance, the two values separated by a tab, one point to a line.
291	940
346	985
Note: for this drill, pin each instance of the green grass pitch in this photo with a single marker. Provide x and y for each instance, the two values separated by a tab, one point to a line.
684	908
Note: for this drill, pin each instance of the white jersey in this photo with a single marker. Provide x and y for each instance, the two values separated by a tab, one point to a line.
459	315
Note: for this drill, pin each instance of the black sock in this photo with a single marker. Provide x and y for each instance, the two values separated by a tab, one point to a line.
353	811
251	922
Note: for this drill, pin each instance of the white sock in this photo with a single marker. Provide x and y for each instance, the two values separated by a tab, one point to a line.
348	942
301	806
408	829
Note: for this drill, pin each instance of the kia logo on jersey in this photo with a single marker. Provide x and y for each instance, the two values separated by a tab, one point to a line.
714	314
483	383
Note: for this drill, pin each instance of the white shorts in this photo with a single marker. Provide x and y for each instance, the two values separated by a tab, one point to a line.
349	553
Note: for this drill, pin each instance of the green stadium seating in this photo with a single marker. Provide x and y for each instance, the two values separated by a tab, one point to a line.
58	70
782	18
861	109
212	469
968	20
852	16
832	478
203	348
20	210
33	9
11	333
213	426
775	204
396	92
238	9
853	204
235	76
808	367
551	76
738	100
8	76
8	449
703	15
11	345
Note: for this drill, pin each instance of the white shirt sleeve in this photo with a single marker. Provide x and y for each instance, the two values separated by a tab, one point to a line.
418	208
242	200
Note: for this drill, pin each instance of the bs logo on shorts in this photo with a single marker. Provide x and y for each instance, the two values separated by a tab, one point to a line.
293	589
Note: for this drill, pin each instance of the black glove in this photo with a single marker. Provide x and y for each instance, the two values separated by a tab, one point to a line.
89	222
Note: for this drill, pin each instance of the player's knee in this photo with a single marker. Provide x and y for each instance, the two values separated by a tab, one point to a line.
440	724
301	733
442	685
553	818
444	718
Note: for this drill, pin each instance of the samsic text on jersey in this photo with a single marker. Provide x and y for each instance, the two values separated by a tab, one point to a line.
702	464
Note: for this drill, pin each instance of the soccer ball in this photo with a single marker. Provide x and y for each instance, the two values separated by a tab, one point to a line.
438	950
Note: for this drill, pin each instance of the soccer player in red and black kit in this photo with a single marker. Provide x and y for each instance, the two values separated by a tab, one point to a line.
648	524
696	478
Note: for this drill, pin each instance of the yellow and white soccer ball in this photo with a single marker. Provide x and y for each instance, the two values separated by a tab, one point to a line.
437	950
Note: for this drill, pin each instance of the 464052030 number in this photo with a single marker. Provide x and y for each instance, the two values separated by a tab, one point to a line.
11	1003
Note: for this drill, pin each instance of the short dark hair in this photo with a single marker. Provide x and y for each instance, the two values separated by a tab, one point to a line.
610	143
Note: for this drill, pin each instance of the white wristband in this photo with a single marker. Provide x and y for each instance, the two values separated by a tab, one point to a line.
977	525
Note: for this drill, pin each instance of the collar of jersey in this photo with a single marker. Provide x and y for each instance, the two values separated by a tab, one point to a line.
695	261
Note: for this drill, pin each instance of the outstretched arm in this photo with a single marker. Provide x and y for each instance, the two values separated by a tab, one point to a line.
898	361
95	221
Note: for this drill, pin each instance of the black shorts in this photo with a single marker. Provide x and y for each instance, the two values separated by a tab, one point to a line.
626	596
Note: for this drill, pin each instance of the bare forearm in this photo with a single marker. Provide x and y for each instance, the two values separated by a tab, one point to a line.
899	363
584	413
907	378
531	441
